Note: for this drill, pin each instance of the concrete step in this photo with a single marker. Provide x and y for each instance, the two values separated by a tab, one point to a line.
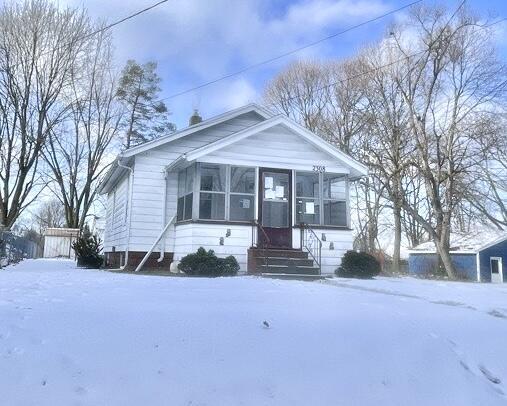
284	269
286	261
259	252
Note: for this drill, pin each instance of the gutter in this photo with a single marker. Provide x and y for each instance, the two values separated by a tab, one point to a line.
129	202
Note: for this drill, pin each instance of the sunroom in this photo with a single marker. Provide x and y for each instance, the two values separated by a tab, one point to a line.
232	208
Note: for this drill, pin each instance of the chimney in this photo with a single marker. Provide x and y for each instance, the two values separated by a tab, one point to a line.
194	118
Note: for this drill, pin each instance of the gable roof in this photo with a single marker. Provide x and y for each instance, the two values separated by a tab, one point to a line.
466	243
117	169
357	169
252	107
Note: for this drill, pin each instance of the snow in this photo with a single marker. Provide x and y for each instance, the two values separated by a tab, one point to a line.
86	337
471	242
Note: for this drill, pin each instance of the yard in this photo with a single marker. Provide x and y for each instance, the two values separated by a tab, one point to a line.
86	337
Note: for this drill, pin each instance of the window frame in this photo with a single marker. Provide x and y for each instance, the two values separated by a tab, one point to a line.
316	199
197	186
321	199
185	194
231	193
196	215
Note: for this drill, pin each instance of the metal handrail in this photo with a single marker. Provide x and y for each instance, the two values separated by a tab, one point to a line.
312	243
265	244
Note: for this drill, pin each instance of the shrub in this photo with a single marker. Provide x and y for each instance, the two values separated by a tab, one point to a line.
206	263
87	248
358	265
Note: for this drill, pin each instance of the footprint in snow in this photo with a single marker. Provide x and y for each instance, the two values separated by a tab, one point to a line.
496	313
489	375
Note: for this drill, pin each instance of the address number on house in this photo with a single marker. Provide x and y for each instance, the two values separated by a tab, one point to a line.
319	168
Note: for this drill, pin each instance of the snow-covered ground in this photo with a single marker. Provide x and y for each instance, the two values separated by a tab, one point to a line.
86	337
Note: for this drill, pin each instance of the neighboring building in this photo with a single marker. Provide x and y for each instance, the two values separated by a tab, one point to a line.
235	183
478	257
58	242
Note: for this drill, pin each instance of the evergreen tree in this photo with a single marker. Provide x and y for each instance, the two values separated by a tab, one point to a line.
147	117
88	249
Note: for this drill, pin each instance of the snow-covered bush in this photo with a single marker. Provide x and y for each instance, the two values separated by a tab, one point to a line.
206	263
87	248
358	265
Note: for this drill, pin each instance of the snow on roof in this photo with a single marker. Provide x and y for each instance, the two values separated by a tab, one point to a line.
471	242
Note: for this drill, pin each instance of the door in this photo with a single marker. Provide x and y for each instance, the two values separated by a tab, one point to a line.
275	196
496	269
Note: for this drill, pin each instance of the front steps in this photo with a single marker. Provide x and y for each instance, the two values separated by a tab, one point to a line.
276	262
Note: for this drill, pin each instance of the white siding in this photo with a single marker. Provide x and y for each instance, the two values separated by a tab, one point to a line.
189	237
116	216
276	147
340	240
149	186
58	246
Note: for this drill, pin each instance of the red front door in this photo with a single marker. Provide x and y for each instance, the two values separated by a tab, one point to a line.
275	197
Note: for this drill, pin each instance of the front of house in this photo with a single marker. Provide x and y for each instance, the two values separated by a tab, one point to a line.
241	184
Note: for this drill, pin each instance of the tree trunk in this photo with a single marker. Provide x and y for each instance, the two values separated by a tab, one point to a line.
397	238
442	245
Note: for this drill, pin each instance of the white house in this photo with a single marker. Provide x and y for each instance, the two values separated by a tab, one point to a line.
241	183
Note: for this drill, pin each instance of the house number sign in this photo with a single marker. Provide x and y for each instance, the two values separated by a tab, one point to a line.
319	168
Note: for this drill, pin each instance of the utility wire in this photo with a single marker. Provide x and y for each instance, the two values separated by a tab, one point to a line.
293	51
122	20
404	58
105	28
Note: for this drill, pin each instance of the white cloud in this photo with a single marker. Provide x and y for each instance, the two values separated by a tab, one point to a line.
239	93
195	41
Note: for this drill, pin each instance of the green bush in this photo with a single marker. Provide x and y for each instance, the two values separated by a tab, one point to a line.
206	263
358	265
87	248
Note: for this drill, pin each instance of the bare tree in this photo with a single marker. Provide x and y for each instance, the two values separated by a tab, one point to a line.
39	47
49	214
487	194
298	93
455	77
324	99
77	149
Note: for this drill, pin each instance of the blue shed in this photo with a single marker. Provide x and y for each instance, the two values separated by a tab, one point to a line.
478	257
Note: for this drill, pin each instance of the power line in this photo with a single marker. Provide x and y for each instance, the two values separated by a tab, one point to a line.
404	58
122	20
285	54
105	28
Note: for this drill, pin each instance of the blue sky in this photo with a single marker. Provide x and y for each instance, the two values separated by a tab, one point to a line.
195	41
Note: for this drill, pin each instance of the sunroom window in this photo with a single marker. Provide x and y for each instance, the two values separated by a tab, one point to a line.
335	199
212	192
321	199
307	198
242	194
185	193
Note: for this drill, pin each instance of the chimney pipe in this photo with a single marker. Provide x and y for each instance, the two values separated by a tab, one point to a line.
195	118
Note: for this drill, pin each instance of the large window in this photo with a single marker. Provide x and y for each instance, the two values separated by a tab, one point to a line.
212	192
307	198
185	193
321	199
223	192
335	199
242	194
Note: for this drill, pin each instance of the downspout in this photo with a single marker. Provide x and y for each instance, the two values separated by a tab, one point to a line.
164	216
129	202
